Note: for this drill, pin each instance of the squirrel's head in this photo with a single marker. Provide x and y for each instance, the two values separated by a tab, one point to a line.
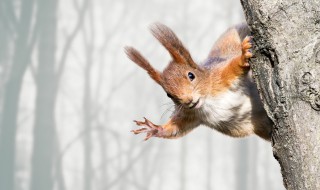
181	78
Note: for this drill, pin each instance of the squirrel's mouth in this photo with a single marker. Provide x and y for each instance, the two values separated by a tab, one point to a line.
196	104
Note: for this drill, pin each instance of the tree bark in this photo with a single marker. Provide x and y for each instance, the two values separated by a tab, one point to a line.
286	67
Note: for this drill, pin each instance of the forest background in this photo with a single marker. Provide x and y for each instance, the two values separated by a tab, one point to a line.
69	94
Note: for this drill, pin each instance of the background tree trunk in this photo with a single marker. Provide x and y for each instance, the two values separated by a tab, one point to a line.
242	165
12	88
287	68
87	110
44	124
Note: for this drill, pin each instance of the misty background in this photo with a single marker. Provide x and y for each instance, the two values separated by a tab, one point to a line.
69	94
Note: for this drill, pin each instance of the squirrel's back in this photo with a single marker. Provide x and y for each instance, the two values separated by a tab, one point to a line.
229	44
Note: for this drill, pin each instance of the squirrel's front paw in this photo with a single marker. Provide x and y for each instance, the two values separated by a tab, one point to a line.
151	129
246	51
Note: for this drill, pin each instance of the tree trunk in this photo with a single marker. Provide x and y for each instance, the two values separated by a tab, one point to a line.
87	120
242	165
88	37
44	124
287	68
183	165
210	160
11	95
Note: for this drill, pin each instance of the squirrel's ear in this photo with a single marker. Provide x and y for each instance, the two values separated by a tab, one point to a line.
172	43
136	57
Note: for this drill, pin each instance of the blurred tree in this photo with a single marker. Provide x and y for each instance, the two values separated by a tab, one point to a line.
210	160
44	125
23	46
7	31
253	163
81	12
88	102
242	165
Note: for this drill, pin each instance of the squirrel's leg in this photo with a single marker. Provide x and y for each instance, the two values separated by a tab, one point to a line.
174	128
239	64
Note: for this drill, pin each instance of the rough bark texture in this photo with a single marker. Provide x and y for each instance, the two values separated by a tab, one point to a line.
287	69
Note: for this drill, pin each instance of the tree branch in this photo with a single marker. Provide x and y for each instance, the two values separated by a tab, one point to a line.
71	38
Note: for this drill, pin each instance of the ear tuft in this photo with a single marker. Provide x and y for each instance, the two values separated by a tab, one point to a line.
172	43
136	57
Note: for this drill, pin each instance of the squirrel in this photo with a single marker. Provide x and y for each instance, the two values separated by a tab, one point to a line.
219	93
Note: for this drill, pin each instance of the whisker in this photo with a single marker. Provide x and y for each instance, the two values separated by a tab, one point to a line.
167	110
180	107
167	103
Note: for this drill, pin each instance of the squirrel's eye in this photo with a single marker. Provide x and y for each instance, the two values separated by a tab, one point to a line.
169	95
191	76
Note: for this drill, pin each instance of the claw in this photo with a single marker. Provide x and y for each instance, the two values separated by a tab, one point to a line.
137	131
246	50
151	129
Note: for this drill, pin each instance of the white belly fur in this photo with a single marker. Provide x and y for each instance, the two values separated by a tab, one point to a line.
229	113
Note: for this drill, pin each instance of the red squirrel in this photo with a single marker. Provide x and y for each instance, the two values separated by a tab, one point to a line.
219	93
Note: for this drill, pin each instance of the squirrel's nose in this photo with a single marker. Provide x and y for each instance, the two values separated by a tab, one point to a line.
188	100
